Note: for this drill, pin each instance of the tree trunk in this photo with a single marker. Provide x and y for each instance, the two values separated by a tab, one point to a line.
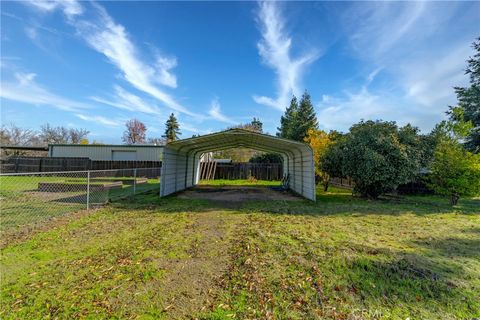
325	186
454	199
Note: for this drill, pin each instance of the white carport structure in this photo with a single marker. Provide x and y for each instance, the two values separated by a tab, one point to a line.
181	159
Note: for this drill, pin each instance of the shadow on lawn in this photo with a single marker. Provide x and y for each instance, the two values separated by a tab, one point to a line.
410	278
327	204
453	247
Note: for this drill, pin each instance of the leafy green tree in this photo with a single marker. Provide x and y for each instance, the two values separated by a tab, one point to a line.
332	161
376	155
288	120
268	157
455	172
469	102
172	129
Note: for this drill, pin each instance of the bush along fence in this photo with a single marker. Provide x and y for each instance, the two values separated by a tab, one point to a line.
52	164
32	198
244	170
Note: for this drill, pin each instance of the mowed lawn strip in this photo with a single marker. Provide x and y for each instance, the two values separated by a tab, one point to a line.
176	258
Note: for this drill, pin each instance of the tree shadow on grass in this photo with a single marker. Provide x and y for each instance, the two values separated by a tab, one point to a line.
427	282
327	204
412	279
453	247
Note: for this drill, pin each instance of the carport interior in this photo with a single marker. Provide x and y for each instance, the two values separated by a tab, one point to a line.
181	159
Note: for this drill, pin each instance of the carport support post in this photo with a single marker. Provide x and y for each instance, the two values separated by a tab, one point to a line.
88	190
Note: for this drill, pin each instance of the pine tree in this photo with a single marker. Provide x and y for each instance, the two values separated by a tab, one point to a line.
305	120
288	120
257	125
468	109
172	129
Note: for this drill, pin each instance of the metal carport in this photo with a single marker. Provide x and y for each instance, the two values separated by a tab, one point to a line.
181	159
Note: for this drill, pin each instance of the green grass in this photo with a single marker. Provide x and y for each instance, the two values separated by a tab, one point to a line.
21	204
338	258
240	182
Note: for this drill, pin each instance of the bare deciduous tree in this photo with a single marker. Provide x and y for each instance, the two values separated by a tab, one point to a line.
76	136
15	136
135	132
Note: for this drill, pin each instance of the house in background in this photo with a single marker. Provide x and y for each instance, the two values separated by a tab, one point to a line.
107	152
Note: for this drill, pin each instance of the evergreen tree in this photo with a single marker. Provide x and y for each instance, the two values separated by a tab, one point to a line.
305	120
298	119
172	129
257	125
469	102
287	121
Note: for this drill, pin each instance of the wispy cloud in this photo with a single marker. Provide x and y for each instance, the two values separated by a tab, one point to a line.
379	26
70	8
25	89
275	50
125	100
430	83
216	113
111	39
408	41
340	111
99	119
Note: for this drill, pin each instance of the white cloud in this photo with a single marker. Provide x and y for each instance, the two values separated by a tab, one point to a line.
379	26
111	39
416	44
274	48
430	83
189	128
420	51
31	33
99	119
339	112
125	100
164	65
216	113
70	8
25	89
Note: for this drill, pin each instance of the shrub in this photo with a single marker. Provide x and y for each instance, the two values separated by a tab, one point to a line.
378	156
455	172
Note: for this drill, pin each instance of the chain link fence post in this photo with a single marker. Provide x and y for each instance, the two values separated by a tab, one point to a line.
88	190
134	181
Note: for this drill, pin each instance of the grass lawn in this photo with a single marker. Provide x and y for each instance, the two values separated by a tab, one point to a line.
21	204
240	182
338	258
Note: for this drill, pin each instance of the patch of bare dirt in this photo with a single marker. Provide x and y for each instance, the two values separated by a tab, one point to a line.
191	283
236	194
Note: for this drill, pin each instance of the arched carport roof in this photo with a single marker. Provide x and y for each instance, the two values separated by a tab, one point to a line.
181	159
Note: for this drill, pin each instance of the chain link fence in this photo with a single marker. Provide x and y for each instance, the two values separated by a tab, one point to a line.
31	198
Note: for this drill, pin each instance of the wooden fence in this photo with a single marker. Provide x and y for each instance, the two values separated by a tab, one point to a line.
53	164
244	170
342	183
414	187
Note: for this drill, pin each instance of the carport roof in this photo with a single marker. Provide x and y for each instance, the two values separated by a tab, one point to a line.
238	138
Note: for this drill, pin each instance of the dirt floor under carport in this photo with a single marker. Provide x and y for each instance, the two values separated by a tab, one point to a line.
237	193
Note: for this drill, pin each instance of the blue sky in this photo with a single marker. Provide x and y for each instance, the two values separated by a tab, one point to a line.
216	64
